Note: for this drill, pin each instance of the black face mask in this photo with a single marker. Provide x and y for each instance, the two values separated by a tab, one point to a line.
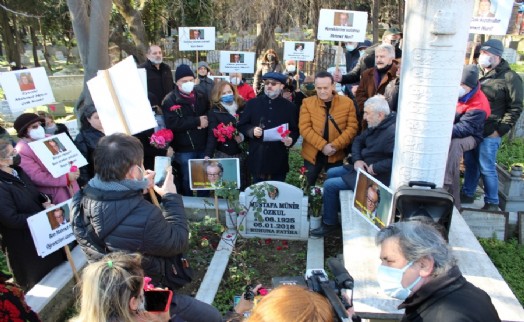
271	58
16	160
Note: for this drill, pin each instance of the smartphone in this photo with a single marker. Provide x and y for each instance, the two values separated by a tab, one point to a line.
161	165
158	300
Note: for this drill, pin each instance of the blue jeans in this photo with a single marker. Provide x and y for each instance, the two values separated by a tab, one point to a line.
331	198
182	158
481	161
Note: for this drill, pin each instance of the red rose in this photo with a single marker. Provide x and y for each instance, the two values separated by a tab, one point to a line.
9	311
268	241
279	247
284	242
175	107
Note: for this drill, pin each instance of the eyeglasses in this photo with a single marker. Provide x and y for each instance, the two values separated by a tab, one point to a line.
272	83
372	201
214	174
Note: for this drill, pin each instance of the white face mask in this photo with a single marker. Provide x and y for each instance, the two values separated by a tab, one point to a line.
390	281
37	134
291	68
187	87
462	91
484	60
235	80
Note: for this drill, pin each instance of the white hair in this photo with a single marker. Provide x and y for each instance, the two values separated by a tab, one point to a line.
387	48
378	104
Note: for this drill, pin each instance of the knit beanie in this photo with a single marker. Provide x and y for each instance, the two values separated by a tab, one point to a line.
470	76
23	121
493	46
183	71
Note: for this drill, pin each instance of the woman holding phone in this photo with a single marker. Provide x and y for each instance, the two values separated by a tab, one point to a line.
113	291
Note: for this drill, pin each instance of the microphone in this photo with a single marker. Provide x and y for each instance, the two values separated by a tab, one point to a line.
342	277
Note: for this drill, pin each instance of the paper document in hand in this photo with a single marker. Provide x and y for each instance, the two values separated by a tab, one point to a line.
275	133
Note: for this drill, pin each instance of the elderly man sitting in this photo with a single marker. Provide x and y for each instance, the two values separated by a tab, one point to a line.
372	151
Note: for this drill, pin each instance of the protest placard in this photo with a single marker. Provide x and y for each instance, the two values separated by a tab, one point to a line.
51	229
58	153
237	62
121	99
491	17
208	174
299	50
26	88
196	38
372	200
342	25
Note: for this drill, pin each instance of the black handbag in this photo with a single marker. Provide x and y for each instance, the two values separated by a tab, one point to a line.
177	272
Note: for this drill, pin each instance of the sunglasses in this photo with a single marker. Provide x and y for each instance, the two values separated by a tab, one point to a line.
272	83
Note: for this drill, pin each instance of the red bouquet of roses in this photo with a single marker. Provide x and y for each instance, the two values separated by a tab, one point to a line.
224	132
161	138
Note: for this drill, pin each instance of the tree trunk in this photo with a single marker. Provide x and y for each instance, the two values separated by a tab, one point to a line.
9	37
376	7
34	44
92	33
134	21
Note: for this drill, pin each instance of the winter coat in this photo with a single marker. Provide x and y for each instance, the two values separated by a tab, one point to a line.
312	123
246	91
503	88
470	116
20	199
451	298
126	222
370	84
159	81
375	147
352	58
86	142
268	157
185	121
56	188
205	86
216	116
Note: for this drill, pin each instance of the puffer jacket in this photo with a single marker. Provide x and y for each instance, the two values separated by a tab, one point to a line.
503	88
126	222
312	124
471	113
375	147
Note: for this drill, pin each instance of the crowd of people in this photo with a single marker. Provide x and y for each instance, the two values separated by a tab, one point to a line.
110	214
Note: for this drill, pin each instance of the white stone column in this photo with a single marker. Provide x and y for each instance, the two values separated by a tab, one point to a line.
435	38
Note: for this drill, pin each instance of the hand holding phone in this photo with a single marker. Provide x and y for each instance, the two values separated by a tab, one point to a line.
158	300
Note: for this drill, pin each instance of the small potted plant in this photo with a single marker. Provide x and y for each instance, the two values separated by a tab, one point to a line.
516	170
315	206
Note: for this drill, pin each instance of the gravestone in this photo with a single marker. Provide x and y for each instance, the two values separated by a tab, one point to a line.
7	115
486	224
59	55
521	227
510	55
284	213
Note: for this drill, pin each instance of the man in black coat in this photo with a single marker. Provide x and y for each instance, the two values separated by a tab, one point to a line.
372	151
185	113
268	155
159	75
418	267
110	215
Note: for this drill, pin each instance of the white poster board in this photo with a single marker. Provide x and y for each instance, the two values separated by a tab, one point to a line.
372	200
491	17
26	88
299	50
58	153
72	127
51	229
342	25
196	38
122	84
237	62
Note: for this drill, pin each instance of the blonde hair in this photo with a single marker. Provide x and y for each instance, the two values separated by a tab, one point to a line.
216	93
291	303
107	287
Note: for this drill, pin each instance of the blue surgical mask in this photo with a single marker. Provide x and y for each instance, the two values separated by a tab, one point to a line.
390	280
228	98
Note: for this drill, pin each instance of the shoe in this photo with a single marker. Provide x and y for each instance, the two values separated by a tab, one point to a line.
466	199
323	230
490	207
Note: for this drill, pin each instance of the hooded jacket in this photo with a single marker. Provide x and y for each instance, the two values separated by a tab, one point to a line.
503	88
470	115
126	222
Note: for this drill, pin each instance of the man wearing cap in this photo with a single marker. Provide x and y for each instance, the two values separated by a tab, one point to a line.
159	75
471	113
204	83
328	124
392	36
270	112
185	113
353	53
503	88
